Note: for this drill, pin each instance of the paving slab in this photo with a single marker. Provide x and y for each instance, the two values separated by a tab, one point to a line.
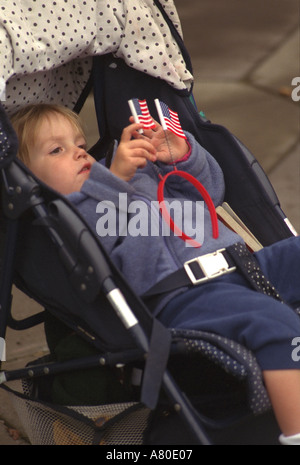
267	124
245	55
280	67
228	39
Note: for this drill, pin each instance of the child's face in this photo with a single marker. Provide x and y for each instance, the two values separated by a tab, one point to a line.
58	156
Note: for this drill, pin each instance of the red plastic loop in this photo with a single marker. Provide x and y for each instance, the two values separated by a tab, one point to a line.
206	197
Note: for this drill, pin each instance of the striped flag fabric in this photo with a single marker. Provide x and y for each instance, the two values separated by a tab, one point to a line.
169	119
141	113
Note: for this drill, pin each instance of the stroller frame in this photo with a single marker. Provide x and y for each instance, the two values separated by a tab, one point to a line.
98	262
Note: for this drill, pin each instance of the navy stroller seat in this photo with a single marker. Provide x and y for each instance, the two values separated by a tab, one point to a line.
80	288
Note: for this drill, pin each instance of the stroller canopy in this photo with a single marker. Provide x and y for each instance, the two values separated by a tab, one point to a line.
46	48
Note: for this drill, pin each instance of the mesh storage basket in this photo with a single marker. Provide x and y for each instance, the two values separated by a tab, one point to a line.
111	424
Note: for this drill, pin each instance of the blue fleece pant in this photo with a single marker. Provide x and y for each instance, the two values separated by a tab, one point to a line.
228	306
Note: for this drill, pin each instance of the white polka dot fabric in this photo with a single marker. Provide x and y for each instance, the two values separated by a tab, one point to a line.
46	47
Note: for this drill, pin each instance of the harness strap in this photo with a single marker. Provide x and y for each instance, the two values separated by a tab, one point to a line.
207	267
181	278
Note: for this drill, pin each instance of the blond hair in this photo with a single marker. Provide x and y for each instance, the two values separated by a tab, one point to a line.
27	121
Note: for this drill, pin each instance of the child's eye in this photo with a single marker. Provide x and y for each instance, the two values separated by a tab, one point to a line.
82	146
55	151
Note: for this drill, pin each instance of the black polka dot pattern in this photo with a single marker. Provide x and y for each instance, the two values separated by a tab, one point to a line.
46	47
233	358
249	267
4	144
8	140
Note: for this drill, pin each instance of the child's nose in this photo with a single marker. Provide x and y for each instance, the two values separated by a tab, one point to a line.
80	152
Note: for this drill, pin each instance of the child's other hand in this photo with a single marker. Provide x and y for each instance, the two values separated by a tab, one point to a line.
133	152
174	144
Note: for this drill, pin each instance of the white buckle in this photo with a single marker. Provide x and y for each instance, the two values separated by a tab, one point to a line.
212	265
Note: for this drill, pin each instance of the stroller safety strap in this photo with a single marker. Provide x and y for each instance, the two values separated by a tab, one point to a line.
213	265
196	271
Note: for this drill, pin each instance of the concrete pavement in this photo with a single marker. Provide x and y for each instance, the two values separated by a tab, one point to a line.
245	55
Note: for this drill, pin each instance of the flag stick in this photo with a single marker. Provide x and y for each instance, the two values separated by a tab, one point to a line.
134	114
160	114
164	126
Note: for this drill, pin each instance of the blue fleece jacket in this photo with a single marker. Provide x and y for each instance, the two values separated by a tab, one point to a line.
123	213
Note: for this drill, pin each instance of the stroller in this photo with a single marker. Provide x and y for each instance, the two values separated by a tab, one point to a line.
227	403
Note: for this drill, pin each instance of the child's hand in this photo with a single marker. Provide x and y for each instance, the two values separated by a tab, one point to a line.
132	153
168	150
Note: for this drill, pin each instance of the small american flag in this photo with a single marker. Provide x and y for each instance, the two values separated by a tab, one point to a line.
169	119
140	111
